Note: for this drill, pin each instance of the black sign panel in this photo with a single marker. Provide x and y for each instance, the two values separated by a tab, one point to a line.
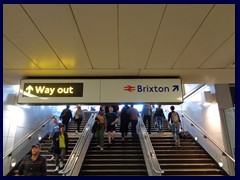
53	89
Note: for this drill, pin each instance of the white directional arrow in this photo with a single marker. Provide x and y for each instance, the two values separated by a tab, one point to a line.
29	89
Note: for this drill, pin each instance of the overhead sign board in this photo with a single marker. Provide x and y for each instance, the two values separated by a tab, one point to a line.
71	91
142	90
58	91
53	89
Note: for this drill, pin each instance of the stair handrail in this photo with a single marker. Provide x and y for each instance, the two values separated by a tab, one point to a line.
198	88
76	152
200	129
150	150
206	135
28	136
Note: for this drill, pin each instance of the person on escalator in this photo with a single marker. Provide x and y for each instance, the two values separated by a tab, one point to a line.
60	139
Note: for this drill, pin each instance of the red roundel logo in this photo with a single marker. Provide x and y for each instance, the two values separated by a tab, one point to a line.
129	88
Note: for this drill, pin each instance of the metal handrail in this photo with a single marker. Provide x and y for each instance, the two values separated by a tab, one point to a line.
28	136
76	152
149	148
194	91
205	134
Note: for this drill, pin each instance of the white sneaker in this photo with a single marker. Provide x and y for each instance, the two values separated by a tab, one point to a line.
57	168
52	158
61	164
76	132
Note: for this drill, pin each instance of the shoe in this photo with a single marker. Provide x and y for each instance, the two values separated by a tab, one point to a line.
57	168
76	132
61	164
52	158
101	149
98	146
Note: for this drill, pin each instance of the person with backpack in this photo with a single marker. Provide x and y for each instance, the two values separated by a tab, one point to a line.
66	115
175	124
159	115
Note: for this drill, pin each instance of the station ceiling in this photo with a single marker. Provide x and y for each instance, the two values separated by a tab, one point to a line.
195	42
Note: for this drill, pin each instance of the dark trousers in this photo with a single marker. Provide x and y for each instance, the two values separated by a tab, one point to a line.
79	121
65	122
133	127
149	119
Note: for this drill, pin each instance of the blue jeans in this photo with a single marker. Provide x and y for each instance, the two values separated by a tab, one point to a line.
160	123
175	131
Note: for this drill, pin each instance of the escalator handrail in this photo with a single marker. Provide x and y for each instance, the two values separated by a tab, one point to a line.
76	152
150	151
205	135
29	136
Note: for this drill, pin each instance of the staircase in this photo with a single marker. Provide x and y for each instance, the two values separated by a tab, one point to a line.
51	164
73	138
121	159
188	160
46	143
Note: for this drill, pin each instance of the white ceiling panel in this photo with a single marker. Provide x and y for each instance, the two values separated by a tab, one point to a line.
224	56
138	25
98	26
195	76
6	65
177	28
195	42
214	31
15	58
21	31
74	73
61	33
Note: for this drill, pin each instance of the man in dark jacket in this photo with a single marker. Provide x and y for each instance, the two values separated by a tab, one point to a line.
66	115
34	164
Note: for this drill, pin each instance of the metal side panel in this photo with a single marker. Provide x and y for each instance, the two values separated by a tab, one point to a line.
80	160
